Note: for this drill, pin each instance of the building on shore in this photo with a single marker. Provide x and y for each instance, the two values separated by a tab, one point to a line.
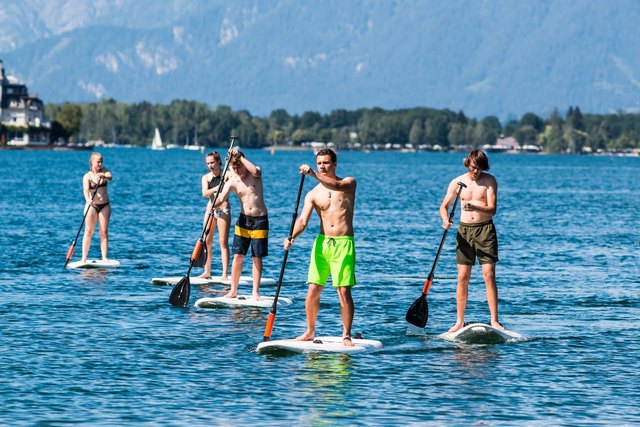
22	119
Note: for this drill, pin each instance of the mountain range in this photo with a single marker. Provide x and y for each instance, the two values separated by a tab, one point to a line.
483	57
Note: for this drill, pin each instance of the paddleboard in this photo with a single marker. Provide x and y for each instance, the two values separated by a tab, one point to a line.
240	301
244	280
319	345
480	333
94	263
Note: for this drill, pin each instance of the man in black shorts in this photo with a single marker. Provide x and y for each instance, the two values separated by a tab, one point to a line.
252	227
477	236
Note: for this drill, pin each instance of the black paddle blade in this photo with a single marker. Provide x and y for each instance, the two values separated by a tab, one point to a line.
418	312
180	293
202	257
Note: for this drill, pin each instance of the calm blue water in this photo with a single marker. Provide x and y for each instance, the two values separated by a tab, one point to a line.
106	348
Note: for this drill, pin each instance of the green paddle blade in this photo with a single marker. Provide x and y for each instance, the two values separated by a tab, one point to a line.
202	257
180	294
418	312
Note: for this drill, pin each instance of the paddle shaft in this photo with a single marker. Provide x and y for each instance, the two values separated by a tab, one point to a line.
84	217
274	306
427	283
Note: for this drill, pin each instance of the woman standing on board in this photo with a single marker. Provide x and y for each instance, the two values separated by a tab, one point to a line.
221	215
99	210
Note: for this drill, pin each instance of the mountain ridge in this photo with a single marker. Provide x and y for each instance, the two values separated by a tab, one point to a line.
482	57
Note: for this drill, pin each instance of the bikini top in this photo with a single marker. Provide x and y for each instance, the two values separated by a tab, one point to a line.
215	182
92	185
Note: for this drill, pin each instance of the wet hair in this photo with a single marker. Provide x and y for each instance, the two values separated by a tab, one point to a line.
478	157
94	154
215	155
327	152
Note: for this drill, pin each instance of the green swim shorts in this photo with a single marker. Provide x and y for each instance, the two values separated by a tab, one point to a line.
335	256
477	240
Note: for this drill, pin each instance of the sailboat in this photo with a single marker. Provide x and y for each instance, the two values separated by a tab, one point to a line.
156	144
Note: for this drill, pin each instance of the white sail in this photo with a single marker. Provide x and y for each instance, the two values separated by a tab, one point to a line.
157	141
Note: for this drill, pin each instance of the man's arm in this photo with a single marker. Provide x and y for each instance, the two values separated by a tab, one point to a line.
251	168
224	195
446	202
347	184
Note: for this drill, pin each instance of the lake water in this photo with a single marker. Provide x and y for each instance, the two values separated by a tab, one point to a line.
106	348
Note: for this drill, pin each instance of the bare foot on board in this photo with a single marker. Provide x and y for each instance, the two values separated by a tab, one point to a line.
204	276
307	336
497	325
456	327
346	340
231	295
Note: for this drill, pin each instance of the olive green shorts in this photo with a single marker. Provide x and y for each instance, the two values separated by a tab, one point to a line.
477	240
336	256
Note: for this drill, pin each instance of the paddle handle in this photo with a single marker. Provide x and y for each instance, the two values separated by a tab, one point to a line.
427	283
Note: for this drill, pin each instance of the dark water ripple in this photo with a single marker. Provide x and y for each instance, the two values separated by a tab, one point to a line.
105	348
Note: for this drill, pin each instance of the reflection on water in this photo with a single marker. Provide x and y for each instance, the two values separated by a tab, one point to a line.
475	361
91	276
327	380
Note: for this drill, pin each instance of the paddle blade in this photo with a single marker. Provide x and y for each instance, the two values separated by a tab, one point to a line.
418	312
201	258
180	294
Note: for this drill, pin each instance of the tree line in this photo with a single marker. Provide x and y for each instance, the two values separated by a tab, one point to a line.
185	122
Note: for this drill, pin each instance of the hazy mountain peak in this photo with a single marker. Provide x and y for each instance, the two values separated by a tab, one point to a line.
484	57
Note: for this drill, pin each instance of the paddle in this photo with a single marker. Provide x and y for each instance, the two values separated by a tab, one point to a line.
73	245
274	306
419	311
180	294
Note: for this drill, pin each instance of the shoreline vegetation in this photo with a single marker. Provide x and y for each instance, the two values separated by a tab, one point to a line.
191	124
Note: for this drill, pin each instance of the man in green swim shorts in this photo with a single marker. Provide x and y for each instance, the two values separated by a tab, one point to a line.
476	235
334	251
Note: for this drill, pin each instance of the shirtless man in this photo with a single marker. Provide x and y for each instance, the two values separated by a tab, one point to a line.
334	249
222	215
476	234
252	227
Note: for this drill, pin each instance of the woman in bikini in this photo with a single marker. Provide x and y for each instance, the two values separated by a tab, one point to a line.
95	181
221	215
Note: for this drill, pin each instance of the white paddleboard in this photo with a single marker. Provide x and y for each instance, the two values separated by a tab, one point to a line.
244	280
480	333
94	263
319	345
240	301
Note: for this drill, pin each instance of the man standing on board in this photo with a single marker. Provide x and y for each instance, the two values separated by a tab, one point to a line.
334	249
252	227
476	234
